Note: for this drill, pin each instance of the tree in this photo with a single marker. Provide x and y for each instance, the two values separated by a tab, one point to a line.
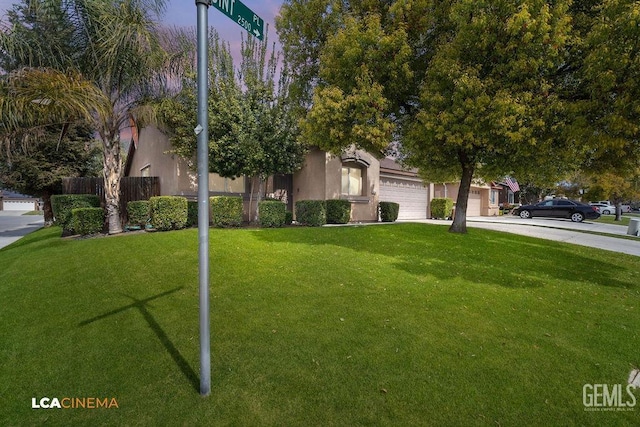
464	87
37	167
114	45
251	129
611	71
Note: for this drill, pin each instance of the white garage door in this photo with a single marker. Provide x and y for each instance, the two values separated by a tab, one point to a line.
18	205
412	196
474	204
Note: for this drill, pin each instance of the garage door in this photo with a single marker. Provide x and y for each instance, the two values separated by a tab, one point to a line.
474	204
18	205
412	196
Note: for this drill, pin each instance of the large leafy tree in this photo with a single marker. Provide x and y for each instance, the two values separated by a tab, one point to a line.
251	129
112	44
465	87
37	166
610	73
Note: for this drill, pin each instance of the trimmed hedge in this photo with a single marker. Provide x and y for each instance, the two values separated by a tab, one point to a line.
338	211
441	207
192	213
288	218
63	204
168	212
272	213
87	220
226	211
138	212
311	212
388	211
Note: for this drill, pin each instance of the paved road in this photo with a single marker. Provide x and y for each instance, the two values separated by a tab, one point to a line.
14	225
559	230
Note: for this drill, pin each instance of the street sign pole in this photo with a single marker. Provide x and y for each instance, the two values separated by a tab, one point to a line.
202	132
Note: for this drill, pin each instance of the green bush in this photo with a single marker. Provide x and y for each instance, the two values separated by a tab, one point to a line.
288	217
441	207
168	212
311	212
388	211
272	213
192	213
87	220
226	211
63	204
138	212
338	211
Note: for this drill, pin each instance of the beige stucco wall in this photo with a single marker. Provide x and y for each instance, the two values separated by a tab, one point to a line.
321	179
176	178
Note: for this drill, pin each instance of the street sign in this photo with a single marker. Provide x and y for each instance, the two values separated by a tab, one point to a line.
241	15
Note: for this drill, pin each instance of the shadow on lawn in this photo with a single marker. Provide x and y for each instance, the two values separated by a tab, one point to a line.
481	256
140	305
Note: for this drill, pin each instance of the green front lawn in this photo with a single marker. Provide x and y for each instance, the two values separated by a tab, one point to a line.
402	324
611	219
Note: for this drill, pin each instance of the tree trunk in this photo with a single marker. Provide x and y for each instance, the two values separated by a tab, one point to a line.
47	208
112	172
460	219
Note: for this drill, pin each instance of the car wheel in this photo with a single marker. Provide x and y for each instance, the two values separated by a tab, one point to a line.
525	214
577	217
605	212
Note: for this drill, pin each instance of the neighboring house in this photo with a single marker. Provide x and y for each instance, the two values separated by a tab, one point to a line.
483	198
356	176
12	201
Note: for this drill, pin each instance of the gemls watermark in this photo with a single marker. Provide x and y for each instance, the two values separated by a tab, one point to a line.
74	403
608	397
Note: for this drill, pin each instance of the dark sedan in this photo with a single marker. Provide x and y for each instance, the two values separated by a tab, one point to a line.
559	208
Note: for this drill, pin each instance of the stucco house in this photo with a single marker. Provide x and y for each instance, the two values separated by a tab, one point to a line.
356	176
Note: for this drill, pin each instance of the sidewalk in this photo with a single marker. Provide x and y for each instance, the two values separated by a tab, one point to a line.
14	225
559	230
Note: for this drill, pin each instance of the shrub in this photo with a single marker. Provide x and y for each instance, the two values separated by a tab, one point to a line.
63	204
192	213
311	212
272	213
338	211
288	217
226	211
138	212
388	211
87	220
441	207
168	212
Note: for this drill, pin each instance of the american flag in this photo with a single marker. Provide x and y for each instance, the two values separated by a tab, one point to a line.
512	184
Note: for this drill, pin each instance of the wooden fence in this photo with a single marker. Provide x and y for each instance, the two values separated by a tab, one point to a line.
131	188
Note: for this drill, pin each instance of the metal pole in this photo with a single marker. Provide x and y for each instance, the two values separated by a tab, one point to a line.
202	131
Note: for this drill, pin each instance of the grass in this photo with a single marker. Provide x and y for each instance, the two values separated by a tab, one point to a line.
611	219
34	213
401	324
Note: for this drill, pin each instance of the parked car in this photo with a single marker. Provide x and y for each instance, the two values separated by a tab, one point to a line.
559	208
604	208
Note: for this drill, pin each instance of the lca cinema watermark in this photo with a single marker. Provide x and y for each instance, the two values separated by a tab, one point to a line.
612	397
74	403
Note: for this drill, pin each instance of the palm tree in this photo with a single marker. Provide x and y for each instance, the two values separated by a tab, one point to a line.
115	46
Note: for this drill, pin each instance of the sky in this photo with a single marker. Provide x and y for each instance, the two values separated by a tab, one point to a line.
183	13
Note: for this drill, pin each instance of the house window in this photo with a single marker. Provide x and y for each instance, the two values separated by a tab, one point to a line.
220	184
145	171
493	198
510	198
351	180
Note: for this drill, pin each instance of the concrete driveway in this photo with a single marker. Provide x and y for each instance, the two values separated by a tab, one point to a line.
14	225
560	230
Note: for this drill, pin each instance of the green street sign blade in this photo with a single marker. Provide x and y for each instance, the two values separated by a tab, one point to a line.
241	15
